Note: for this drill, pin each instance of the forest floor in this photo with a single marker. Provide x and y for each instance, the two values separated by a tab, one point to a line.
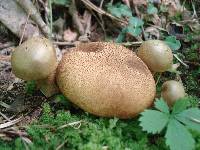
36	122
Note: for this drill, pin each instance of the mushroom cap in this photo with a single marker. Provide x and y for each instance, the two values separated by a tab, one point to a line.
106	79
34	59
156	54
171	91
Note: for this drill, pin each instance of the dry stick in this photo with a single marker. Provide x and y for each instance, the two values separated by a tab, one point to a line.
88	23
138	15
192	63
21	38
74	13
50	15
102	12
102	24
31	9
10	123
14	129
61	145
64	43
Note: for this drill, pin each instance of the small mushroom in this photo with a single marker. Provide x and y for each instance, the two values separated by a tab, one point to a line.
106	79
172	91
35	59
156	54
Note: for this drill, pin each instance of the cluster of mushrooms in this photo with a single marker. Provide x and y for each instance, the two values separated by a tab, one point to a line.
102	78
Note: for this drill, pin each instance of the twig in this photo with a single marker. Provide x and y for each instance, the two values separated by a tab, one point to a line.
10	123
50	15
192	63
64	43
175	55
24	29
4	105
61	145
102	12
74	13
72	124
132	43
31	9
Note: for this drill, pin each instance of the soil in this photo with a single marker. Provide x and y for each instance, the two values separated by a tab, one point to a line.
13	93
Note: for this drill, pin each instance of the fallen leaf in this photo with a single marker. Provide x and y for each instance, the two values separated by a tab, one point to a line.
69	35
174	6
152	33
139	2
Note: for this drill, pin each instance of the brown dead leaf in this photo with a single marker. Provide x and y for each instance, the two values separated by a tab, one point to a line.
152	33
156	20
174	6
139	2
69	35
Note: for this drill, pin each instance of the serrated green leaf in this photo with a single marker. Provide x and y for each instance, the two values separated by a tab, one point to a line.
173	43
180	105
161	105
153	121
119	10
134	31
151	9
178	137
136	22
121	36
191	118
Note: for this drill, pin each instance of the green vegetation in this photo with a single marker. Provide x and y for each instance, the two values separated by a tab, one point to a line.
86	132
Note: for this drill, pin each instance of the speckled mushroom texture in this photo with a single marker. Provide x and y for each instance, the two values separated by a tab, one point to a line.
106	79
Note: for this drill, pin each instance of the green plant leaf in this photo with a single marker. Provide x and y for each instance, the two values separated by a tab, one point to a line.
190	117
136	22
173	43
151	9
30	87
134	31
178	137
180	105
161	105
121	36
153	121
119	10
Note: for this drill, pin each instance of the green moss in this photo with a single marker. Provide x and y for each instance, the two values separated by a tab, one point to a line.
93	134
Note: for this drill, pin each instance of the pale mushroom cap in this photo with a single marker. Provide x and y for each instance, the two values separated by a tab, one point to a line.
106	79
156	54
171	91
34	59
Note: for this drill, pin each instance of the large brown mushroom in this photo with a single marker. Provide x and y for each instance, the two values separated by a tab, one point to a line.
106	79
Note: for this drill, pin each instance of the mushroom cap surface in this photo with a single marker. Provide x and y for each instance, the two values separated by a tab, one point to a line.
156	54
106	79
172	91
34	59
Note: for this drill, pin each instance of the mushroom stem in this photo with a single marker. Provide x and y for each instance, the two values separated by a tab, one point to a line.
48	86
